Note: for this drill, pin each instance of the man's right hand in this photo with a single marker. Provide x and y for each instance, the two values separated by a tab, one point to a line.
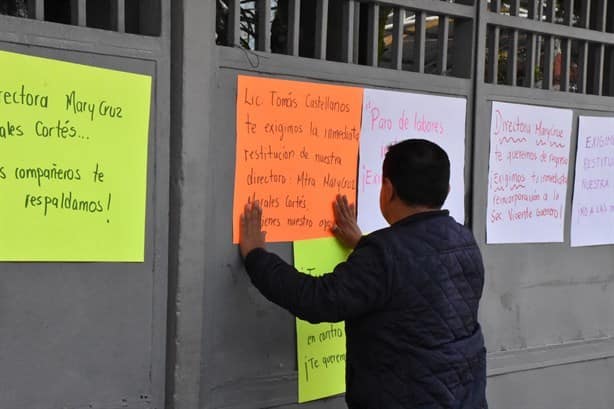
346	228
251	235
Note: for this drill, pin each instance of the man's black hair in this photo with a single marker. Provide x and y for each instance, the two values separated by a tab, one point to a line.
419	171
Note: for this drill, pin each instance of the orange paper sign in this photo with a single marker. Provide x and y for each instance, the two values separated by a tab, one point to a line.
297	147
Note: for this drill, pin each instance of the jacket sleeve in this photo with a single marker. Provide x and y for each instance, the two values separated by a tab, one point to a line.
355	287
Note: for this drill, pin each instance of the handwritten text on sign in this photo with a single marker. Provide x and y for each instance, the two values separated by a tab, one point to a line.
528	168
592	218
297	147
320	347
390	117
73	161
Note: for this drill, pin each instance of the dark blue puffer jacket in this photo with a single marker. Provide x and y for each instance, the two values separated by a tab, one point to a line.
409	295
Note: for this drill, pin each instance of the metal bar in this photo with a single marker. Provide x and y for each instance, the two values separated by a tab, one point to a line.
569	6
550	11
294	26
356	32
539	40
433	7
530	65
120	15
348	30
78	12
583	68
551	29
39	9
321	29
532	12
420	41
263	38
397	38
604	15
373	35
548	62
495	6
515	7
493	55
512	60
82	12
234	23
444	33
585	19
478	67
598	70
565	63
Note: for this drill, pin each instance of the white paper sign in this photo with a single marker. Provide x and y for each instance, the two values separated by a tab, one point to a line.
528	171
389	117
592	218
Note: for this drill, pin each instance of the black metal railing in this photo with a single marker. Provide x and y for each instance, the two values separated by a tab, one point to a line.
409	35
124	16
561	45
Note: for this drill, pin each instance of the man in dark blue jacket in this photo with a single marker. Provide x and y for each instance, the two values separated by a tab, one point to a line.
408	293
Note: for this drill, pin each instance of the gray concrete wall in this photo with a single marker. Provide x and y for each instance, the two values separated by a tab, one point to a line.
581	385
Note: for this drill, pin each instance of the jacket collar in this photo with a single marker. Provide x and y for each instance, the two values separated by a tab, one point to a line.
421	216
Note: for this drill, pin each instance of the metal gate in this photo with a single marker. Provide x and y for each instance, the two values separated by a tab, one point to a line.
545	310
419	46
542	310
92	335
541	52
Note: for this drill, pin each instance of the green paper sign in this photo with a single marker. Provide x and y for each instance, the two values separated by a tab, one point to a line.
320	347
73	161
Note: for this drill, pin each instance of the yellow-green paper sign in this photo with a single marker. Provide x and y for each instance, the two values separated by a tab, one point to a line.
320	347
73	161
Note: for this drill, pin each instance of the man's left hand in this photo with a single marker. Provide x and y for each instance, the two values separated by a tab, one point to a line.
346	228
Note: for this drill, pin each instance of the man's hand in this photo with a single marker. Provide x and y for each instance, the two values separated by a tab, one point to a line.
346	229
251	235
